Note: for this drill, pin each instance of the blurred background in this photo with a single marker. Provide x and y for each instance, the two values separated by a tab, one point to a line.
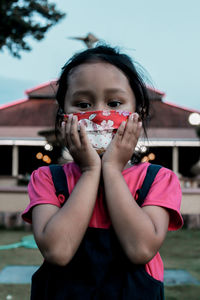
161	35
38	37
36	40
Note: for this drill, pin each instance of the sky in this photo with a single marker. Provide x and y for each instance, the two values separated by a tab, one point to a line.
162	36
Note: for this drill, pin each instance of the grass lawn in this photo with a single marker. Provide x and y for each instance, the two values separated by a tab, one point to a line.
181	250
18	256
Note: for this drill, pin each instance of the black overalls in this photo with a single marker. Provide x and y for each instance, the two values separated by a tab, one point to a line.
99	270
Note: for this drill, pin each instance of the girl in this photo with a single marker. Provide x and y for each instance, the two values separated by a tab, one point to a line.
100	244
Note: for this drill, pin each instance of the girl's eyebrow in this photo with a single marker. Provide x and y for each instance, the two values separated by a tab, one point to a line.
115	90
82	93
106	91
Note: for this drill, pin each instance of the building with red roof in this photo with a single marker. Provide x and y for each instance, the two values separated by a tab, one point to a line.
30	123
27	125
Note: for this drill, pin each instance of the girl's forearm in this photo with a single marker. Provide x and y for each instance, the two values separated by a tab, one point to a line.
139	236
62	234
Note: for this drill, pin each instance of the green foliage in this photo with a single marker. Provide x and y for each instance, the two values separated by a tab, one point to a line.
20	19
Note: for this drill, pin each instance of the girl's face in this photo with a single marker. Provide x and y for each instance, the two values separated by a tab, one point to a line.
98	86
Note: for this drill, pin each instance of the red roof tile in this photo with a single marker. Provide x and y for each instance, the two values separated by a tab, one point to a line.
34	112
167	115
40	110
45	90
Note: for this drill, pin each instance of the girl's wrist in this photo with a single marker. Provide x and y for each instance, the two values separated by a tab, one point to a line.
91	169
111	167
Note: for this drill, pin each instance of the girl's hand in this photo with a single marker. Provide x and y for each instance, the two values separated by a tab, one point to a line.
121	149
79	146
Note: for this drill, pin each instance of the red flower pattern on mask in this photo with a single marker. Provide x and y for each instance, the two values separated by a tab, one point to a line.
101	126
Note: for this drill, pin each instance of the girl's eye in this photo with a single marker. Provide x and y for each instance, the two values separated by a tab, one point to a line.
83	105
114	103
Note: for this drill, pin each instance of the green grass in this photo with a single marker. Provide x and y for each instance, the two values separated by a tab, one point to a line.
181	250
17	291
186	292
18	256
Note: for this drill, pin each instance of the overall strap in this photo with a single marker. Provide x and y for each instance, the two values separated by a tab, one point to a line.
59	180
152	171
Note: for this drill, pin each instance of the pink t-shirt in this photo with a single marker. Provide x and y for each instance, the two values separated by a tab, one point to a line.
165	192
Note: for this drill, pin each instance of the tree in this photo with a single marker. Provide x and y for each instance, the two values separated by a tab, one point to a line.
20	19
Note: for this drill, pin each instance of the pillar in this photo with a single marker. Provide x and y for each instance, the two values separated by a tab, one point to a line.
15	160
175	167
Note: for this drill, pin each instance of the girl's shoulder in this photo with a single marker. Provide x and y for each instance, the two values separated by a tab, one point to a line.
165	191
140	170
71	167
44	172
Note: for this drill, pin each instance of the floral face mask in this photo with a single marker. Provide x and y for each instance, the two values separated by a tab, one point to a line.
101	126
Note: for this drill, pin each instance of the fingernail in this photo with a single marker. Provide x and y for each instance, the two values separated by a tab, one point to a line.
135	115
63	124
131	116
139	124
75	118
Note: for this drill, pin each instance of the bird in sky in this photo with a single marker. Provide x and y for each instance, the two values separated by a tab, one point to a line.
89	40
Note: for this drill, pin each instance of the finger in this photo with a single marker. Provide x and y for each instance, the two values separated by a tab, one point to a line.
131	128
138	123
74	135
62	130
139	129
120	131
135	119
63	133
83	135
68	130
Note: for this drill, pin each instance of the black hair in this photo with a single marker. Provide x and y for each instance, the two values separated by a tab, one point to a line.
114	57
